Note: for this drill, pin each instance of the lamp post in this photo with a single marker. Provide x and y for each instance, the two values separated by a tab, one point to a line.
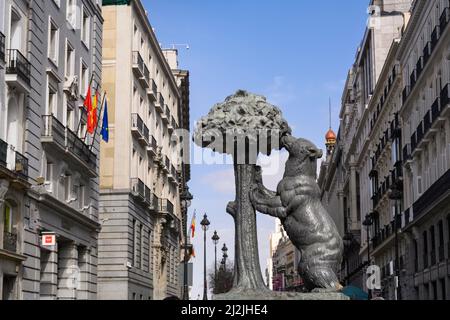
225	256
368	221
186	200
215	238
205	226
396	195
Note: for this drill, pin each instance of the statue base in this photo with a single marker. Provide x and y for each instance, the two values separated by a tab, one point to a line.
274	295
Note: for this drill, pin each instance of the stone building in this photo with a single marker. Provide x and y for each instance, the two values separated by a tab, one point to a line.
424	56
48	52
369	105
142	174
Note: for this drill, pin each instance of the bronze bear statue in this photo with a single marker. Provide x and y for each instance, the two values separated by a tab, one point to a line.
307	223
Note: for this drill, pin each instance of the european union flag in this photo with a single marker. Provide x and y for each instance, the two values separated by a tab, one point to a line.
105	125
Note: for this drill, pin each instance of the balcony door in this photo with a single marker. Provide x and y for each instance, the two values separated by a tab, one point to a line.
12	132
16	30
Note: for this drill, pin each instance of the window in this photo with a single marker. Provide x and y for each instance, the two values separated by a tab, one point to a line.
68	187
52	106
71	13
69	115
49	177
84	83
53	42
86	28
8	218
70	60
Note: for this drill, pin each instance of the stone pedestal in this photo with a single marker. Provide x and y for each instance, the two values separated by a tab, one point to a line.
272	295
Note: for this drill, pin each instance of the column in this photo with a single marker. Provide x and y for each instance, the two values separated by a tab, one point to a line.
68	271
48	284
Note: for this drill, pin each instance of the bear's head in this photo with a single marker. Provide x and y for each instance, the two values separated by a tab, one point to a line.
303	155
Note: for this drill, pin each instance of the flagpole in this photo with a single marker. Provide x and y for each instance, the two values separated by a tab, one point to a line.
95	131
81	113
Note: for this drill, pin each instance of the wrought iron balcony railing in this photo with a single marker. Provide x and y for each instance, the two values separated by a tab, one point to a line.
10	241
55	132
13	160
3	152
18	64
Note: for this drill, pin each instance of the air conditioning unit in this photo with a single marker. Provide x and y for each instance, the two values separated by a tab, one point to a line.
129	265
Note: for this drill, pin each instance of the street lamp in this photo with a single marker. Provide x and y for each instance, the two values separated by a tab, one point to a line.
186	201
205	226
215	238
225	256
396	195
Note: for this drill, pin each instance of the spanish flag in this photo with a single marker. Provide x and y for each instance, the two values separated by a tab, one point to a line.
193	225
92	111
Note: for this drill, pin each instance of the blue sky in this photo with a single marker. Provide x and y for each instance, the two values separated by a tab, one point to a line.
297	53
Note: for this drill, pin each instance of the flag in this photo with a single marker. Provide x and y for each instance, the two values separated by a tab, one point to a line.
95	102
105	124
193	225
89	109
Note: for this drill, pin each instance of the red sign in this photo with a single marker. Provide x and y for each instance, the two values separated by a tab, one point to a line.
49	240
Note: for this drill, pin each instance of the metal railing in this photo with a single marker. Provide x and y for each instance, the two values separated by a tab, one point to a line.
146	75
427	122
2	47
434	38
148	195
138	187
138	62
435	110
444	19
154	87
10	241
152	141
69	140
18	64
445	96
3	152
426	53
167	206
21	165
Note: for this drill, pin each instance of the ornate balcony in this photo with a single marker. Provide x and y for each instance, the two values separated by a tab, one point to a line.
18	70
10	242
12	161
66	143
166	206
152	91
426	53
434	38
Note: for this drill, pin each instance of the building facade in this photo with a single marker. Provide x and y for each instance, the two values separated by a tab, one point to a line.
142	174
424	56
358	173
49	50
402	159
